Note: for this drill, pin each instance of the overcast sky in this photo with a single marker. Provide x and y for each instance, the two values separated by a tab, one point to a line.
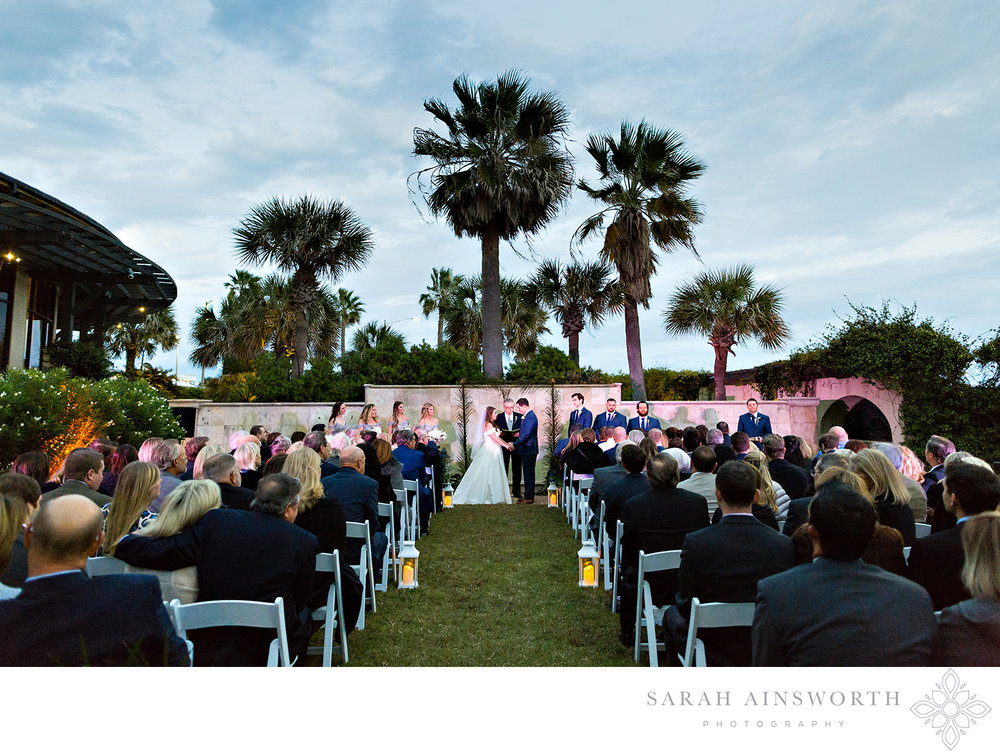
851	147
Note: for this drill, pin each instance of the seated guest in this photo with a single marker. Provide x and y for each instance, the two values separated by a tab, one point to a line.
434	458
12	514
36	465
206	452
886	487
279	445
741	444
656	436
636	436
912	468
690	440
633	483
106	448
372	464
794	479
683	460
798	508
649	447
605	477
258	555
653	521
723	427
147	448
855	445
714	437
572	442
936	451
23	490
723	563
765	505
358	495
124	455
390	473
129	510
605	437
316	441
247	456
191	451
169	459
617	436
969	632
916	497
839	611
587	456
936	561
938	515
702	481
65	618
296	437
223	470
414	467
563	443
275	464
83	473
827	444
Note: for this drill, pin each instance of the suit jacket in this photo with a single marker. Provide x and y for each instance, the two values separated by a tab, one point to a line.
358	495
832	613
70	620
328	466
899	518
77	487
758	430
932	477
582	417
968	634
500	423
240	556
936	565
798	514
792	478
604	478
372	466
651	422
618	494
527	441
723	563
617	420
761	513
17	570
414	463
238	498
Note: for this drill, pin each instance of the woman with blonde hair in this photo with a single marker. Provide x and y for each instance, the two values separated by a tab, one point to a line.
969	632
772	494
369	419
427	420
889	493
765	504
198	471
912	466
138	484
247	456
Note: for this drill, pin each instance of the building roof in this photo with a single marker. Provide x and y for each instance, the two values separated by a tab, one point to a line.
55	242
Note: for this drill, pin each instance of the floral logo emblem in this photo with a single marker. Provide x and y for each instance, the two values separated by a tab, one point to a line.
950	709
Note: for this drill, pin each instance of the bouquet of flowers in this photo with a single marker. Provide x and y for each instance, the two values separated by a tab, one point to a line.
436	435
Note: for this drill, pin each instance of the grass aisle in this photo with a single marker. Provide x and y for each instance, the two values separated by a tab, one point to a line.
498	587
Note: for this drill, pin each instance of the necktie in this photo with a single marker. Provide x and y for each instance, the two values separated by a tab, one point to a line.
642	423
576	416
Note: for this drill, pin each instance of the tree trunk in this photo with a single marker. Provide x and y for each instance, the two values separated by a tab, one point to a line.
343	340
721	356
492	333
129	362
301	338
634	348
574	347
440	328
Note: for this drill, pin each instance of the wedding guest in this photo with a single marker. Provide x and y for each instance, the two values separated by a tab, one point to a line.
25	490
36	465
129	510
316	441
916	497
649	448
772	494
296	437
587	456
148	446
274	464
206	453
656	435
223	470
279	445
191	449
888	491
247	456
912	467
398	419
369	419
11	518
764	506
83	471
170	460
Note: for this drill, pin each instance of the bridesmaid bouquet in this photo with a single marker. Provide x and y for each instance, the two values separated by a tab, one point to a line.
436	435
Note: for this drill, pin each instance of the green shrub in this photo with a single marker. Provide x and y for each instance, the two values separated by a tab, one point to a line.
81	359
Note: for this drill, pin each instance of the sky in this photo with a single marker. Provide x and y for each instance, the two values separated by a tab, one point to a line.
850	148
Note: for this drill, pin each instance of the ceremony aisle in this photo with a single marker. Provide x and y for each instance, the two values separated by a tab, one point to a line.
498	587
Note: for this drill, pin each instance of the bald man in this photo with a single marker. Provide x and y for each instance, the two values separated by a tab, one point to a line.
358	495
65	618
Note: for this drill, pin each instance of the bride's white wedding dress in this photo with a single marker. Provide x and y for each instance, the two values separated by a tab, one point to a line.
485	480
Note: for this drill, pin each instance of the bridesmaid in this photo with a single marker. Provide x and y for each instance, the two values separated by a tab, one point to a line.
428	421
338	416
398	420
369	419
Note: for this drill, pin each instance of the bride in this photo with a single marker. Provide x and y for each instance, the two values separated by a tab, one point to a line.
485	480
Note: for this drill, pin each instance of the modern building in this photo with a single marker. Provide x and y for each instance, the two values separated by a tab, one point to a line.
63	274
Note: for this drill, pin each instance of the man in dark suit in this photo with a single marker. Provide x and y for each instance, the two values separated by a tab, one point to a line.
580	415
633	483
798	509
508	423
741	444
358	495
723	427
755	424
83	475
838	611
642	421
64	618
618	436
936	561
610	418
794	480
258	555
414	468
223	470
656	520
723	563
936	451
434	458
316	440
527	448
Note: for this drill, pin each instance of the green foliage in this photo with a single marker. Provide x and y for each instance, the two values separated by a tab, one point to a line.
52	411
552	364
81	359
663	384
794	376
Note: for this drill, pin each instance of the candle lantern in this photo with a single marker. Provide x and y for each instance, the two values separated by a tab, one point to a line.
588	564
408	560
553	495
447	495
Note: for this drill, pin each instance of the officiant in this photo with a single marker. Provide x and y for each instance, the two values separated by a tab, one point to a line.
508	423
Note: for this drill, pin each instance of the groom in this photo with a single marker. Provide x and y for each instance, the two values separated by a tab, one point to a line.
527	449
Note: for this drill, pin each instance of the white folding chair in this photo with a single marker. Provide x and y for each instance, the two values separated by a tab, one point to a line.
564	495
105	565
923	530
246	613
712	615
411	503
583	507
365	569
385	511
906	554
332	614
604	546
616	574
432	474
571	500
648	615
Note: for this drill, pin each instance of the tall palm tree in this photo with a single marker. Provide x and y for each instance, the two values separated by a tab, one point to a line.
501	169
309	240
443	281
643	178
728	307
347	308
578	294
156	330
375	336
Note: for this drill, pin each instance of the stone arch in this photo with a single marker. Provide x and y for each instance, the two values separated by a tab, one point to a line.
860	417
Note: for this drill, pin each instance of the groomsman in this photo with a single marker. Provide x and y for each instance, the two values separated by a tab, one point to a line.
610	418
643	421
508	423
580	415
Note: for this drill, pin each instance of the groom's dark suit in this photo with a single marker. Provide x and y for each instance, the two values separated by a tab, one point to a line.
527	448
509	433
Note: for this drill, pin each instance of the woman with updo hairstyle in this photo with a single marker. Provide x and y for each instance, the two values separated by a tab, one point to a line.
128	512
886	487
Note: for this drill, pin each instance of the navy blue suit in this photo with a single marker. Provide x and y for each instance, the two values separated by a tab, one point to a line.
70	620
755	429
415	468
581	417
617	420
527	447
358	494
651	422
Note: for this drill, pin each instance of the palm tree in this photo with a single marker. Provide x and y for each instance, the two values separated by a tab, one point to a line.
443	281
307	239
577	293
643	178
156	330
347	309
727	306
375	336
500	170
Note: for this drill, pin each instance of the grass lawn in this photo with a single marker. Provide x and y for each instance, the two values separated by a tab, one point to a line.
498	586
